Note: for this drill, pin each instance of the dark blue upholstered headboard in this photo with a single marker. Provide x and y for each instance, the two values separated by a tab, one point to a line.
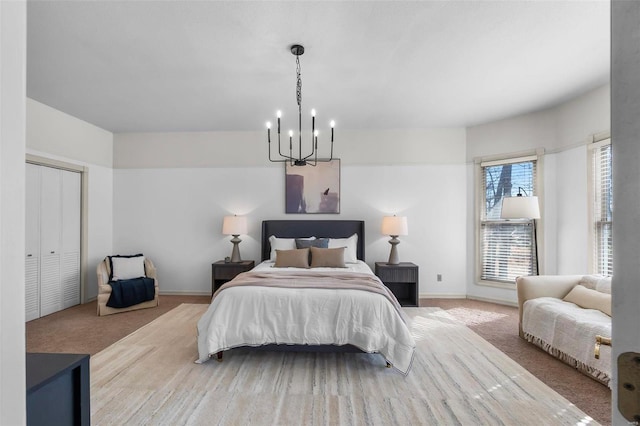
311	228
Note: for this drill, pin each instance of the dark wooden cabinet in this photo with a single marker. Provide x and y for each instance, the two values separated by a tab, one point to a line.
58	389
222	271
401	279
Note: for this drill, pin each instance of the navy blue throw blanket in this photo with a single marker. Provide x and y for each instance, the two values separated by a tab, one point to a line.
125	293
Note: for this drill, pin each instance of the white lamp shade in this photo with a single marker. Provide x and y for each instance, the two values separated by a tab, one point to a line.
234	225
520	208
394	225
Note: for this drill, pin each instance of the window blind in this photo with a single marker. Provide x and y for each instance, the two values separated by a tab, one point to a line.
507	248
602	210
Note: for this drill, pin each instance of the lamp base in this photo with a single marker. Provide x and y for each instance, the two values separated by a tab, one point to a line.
394	259
235	254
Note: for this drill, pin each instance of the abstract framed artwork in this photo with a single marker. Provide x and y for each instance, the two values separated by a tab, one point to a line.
313	189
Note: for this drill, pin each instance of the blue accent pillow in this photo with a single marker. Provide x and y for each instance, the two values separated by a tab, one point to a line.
318	242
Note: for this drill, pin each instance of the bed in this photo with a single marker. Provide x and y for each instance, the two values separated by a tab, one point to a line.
318	309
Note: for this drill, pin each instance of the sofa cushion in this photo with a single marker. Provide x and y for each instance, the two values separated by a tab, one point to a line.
568	332
589	299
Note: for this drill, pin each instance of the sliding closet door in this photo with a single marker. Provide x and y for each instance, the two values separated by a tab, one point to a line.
32	243
50	239
70	262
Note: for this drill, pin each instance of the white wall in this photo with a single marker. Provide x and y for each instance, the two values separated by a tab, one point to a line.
174	215
58	136
569	207
52	131
249	149
562	133
13	46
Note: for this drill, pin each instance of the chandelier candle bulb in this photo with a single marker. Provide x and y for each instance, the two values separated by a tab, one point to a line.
279	114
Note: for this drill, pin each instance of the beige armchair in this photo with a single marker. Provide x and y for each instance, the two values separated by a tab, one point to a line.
104	289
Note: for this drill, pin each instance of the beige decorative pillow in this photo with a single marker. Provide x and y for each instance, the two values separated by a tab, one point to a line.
589	299
351	247
327	257
296	258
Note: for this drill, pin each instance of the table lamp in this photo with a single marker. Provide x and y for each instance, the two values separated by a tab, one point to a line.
235	225
394	226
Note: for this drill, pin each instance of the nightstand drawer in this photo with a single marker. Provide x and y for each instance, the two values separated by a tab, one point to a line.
228	272
398	274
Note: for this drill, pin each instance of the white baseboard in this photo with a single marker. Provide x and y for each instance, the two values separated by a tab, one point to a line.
442	296
492	300
185	293
467	296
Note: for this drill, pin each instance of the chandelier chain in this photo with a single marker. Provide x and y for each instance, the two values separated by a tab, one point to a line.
299	84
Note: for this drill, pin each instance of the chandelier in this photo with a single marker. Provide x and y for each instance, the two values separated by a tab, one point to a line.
300	160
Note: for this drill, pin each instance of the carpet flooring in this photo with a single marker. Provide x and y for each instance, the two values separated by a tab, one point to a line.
457	377
79	330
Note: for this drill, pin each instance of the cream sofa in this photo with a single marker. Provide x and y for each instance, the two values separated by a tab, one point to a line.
104	289
567	330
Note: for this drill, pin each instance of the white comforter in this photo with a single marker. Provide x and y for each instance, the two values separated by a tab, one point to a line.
254	316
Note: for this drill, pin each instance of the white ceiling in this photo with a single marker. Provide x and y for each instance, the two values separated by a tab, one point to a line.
226	65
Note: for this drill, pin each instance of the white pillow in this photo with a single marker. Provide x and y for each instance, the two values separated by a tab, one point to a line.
283	244
604	285
600	283
125	268
351	247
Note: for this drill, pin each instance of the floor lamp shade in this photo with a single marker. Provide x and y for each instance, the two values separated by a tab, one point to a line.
394	226
235	225
520	207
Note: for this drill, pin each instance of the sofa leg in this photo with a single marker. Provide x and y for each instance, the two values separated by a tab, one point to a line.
219	356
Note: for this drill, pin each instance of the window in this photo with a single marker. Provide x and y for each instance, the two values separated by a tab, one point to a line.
602	208
507	247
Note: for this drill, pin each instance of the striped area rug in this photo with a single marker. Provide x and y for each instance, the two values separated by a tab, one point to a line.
457	378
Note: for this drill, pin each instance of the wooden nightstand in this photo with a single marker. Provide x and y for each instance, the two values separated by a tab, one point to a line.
222	271
401	279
